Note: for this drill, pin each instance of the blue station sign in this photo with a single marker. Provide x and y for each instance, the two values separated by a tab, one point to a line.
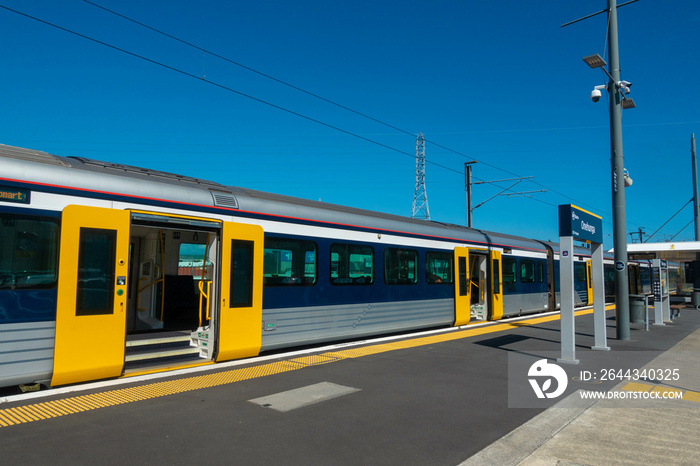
580	224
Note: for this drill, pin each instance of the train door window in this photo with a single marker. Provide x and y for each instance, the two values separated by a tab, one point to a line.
241	273
97	252
438	267
463	278
609	280
289	262
352	264
496	278
580	272
400	266
540	271
509	275
527	271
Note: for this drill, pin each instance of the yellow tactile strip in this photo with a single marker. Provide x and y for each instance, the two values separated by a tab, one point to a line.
77	404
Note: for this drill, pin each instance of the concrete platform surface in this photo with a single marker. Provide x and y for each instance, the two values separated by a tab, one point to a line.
438	398
615	431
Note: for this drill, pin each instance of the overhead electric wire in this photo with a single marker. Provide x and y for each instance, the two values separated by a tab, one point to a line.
253	70
221	86
679	211
681	230
364	115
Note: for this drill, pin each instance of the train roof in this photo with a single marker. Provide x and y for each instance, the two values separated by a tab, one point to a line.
106	177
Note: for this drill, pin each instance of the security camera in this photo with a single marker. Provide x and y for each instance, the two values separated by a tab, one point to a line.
625	86
595	95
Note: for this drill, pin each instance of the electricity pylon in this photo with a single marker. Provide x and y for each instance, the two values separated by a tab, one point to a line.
420	196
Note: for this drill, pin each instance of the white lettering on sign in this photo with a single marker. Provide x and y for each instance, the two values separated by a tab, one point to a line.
587	227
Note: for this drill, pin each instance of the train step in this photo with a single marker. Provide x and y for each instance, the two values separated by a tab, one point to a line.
158	349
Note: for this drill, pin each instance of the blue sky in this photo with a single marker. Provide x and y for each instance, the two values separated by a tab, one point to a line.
498	82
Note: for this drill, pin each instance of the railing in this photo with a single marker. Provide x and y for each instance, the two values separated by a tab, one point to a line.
204	298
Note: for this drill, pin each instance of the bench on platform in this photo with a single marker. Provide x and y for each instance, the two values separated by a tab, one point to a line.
676	310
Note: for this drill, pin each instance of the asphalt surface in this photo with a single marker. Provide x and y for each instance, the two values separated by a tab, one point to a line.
430	402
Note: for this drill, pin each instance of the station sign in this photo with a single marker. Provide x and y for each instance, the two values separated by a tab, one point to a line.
580	224
18	196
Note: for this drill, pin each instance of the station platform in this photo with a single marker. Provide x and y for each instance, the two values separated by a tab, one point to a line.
438	398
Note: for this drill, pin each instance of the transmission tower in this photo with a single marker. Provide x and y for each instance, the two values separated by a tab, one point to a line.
420	196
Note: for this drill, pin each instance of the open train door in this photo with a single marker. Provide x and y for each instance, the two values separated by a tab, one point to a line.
90	314
240	312
462	287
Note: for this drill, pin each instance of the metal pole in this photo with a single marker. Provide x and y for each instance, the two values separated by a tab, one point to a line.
696	205
695	187
618	185
468	187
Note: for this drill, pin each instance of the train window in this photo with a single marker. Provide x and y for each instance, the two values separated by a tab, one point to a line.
241	274
400	266
193	261
509	270
289	262
28	252
540	271
97	252
352	264
527	271
438	266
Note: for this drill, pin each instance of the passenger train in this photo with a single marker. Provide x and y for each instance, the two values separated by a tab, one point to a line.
98	259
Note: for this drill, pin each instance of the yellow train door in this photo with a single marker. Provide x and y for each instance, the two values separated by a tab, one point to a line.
92	279
496	297
240	312
462	287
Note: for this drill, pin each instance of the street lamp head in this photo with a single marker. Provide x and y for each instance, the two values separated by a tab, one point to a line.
628	103
595	61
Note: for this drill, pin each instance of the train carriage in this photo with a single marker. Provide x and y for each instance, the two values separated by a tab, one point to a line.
96	259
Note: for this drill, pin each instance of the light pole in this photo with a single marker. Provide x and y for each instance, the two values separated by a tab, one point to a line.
468	188
617	90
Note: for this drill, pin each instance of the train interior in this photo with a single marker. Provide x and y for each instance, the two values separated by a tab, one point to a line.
169	293
479	293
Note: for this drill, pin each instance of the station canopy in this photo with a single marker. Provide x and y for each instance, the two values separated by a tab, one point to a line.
676	252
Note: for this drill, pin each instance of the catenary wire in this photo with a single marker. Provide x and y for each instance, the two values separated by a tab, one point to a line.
260	73
679	211
681	230
221	86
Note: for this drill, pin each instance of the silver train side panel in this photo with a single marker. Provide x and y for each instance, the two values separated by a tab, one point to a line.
524	303
26	352
316	324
